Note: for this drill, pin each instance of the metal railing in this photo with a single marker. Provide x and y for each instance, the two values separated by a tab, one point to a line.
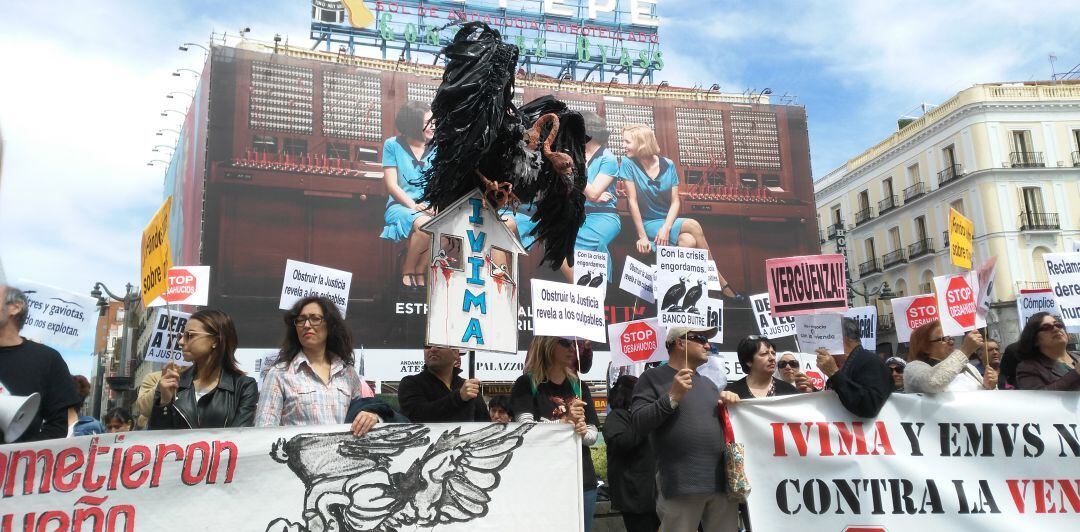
1039	221
893	258
926	288
1032	285
864	216
914	191
920	248
888	204
950	173
869	267
1027	159
1076	158
833	230
885	322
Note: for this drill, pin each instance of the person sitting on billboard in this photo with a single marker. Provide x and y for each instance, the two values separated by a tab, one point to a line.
551	391
934	366
652	190
438	394
1045	363
404	159
757	356
215	393
602	223
859	378
313	380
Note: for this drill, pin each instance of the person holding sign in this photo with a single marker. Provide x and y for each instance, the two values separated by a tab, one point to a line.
438	394
757	356
215	393
1045	364
312	382
652	190
678	408
550	391
859	378
602	222
631	466
404	159
934	366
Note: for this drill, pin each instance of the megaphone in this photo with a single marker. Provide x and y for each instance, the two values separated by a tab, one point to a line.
16	414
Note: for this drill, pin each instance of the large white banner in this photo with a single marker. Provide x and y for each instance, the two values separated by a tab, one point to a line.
991	460
57	317
447	477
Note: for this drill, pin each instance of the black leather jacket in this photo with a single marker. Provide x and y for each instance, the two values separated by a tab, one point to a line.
231	404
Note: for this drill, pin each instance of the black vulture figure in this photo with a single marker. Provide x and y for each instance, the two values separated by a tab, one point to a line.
689	303
482	140
673	296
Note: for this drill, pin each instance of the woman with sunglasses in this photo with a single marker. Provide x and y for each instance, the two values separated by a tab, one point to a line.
214	393
313	381
788	367
1045	364
757	356
935	366
550	391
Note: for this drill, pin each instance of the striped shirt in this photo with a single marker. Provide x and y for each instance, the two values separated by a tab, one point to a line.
294	394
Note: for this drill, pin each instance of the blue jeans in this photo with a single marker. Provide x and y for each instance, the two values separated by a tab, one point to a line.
590	508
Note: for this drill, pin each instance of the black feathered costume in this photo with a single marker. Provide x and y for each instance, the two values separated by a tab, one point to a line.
482	140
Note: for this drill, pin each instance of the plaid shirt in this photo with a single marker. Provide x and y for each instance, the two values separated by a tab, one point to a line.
295	395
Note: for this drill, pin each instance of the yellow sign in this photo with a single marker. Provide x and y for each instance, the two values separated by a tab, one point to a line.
359	15
156	255
961	232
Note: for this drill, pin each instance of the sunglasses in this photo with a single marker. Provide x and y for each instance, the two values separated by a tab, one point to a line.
565	343
946	339
897	370
793	364
191	335
698	338
1047	327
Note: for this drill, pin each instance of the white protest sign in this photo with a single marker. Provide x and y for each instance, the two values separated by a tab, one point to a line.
985	274
635	342
867	319
957	299
185	285
561	309
1063	271
823	330
57	317
166	330
1032	303
714	277
680	286
590	269
637	279
769	326
912	312
303	279
714	312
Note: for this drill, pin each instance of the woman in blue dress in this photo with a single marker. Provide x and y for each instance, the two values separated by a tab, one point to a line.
602	222
404	159
652	189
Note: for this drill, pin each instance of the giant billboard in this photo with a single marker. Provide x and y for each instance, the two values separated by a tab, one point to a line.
300	145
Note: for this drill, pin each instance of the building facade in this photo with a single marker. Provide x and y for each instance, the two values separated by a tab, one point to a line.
1006	155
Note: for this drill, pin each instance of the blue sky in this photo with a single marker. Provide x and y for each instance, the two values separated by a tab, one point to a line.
83	88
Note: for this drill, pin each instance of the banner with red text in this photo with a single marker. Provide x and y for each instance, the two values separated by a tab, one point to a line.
470	476
993	460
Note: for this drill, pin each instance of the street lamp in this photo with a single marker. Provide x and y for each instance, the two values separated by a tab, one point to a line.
660	86
188	94
122	382
764	92
163	146
167	111
151	163
160	131
184	47
882	291
179	70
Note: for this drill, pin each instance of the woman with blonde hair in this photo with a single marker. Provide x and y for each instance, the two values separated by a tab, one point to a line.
550	391
652	189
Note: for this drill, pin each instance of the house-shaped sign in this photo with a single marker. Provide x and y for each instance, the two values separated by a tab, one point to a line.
473	286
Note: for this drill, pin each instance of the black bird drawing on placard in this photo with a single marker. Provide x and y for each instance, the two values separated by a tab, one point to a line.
597	281
673	296
584	279
689	303
351	484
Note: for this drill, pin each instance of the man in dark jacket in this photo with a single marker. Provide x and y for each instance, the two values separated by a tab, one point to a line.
631	466
438	394
861	380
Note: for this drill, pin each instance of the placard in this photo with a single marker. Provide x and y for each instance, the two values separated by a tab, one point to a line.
568	310
768	325
867	319
155	254
807	284
714	277
187	285
714	312
303	280
957	299
680	288
824	330
912	312
167	325
961	233
1032	303
985	274
57	317
634	342
1063	272
637	279
591	269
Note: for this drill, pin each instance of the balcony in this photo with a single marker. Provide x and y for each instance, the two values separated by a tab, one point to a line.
887	204
885	323
1076	158
869	267
1029	286
920	248
834	230
864	216
926	288
1027	159
914	191
945	239
893	258
1039	221
951	173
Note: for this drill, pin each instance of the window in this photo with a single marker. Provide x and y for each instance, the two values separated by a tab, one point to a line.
770	180
959	206
836	219
920	228
264	144
1076	147
295	147
894	238
948	153
499	260
913	174
864	200
337	151
1021	141
1032	197
870	252
901	287
451	248
886	187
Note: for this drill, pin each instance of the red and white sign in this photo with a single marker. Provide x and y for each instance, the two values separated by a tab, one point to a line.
807	284
635	342
957	298
909	313
186	285
817	379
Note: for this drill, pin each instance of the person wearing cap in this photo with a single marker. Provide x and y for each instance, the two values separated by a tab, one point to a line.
439	394
859	378
896	365
678	409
